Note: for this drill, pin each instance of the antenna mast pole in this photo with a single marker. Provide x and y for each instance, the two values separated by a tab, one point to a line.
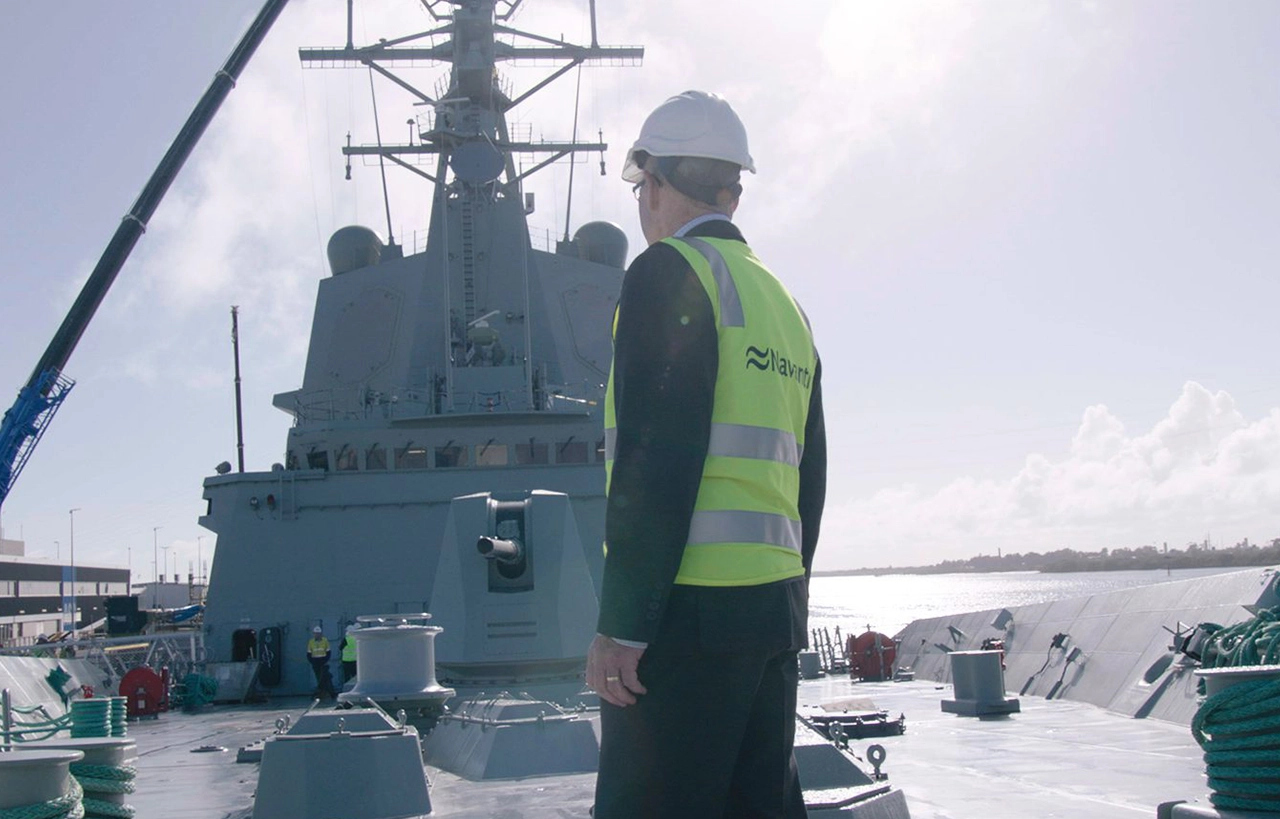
235	347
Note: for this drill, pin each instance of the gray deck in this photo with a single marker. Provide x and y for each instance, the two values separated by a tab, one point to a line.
1054	759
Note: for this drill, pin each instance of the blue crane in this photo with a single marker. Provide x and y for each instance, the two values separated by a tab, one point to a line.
38	401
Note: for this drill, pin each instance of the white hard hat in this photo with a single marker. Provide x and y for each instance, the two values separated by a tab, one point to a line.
694	123
317	629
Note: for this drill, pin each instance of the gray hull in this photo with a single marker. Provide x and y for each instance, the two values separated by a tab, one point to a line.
1125	661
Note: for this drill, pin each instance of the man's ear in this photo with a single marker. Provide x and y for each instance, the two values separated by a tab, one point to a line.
651	189
727	202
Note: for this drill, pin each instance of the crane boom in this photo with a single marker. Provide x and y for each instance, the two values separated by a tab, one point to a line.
26	421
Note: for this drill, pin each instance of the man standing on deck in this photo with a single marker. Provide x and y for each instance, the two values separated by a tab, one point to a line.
716	477
347	651
318	656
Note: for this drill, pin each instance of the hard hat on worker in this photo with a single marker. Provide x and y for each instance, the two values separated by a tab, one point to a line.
693	124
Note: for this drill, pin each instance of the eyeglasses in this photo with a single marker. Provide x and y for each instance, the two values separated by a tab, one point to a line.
635	189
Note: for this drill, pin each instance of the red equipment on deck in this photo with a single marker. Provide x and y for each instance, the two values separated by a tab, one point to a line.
995	644
146	691
871	656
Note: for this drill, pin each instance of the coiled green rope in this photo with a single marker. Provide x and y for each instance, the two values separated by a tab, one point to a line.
120	773
97	807
39	729
67	806
1253	642
198	690
104	779
1239	726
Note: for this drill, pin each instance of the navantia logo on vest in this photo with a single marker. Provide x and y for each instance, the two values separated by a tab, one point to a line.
768	360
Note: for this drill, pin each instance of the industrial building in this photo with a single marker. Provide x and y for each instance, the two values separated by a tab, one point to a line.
38	597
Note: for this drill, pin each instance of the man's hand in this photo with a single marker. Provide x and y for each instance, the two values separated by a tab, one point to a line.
611	671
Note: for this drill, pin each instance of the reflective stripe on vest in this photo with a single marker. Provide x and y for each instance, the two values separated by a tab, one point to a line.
742	441
729	303
738	441
745	528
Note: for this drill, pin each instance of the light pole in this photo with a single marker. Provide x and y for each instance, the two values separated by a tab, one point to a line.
72	515
199	568
155	566
57	547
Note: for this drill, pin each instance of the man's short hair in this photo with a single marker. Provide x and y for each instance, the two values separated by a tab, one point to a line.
699	178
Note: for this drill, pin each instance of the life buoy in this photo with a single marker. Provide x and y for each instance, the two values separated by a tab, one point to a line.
871	656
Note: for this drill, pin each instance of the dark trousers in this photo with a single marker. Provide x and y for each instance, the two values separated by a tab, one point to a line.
324	679
712	739
348	671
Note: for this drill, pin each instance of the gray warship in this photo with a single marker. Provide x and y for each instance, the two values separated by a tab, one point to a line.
440	501
446	460
449	394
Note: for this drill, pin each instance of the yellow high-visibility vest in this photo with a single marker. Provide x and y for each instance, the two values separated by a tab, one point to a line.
745	529
349	648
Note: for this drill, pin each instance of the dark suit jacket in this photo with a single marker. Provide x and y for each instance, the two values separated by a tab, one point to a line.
666	357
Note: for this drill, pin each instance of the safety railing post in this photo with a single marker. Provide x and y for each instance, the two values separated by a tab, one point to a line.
6	719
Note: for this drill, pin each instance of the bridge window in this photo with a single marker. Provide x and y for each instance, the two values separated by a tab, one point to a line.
318	460
491	455
571	452
347	459
375	457
412	457
531	453
448	456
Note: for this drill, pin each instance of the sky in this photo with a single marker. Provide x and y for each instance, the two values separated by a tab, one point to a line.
1037	242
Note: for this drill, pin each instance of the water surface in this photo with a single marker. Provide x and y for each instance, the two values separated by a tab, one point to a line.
887	603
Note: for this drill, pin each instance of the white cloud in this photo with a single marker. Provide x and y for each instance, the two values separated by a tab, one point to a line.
1201	469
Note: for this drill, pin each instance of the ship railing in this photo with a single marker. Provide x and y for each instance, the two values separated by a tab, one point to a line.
619	60
180	651
415	241
542	239
359	403
492	401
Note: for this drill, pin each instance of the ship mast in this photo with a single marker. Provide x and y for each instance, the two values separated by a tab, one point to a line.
469	120
473	149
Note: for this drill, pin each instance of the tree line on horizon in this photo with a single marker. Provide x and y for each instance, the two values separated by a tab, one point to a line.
1194	556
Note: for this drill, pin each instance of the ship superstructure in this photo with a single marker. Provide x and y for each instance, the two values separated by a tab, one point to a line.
473	369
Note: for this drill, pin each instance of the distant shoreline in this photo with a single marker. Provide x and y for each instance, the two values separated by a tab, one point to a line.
1148	558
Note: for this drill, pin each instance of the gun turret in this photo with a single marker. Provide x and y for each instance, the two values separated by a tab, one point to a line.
506	552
